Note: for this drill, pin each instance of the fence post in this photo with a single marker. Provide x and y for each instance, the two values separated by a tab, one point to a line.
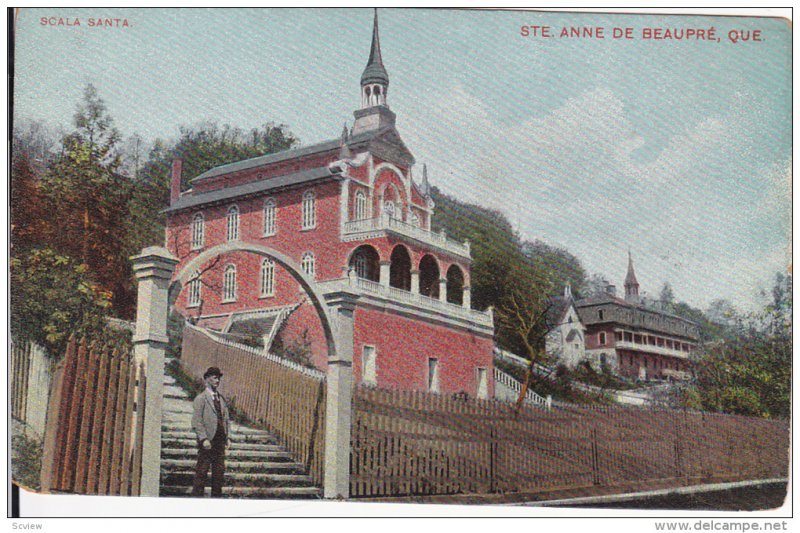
338	412
153	269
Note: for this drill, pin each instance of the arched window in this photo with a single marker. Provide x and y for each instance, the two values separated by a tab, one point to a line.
309	210
229	284
198	231
267	278
194	290
361	205
455	285
269	217
233	223
309	264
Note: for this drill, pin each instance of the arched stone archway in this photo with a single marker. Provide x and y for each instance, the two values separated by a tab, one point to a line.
429	277
308	285
455	285
400	269
365	260
336	313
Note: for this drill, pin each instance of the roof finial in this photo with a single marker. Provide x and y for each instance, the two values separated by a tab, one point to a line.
425	187
344	150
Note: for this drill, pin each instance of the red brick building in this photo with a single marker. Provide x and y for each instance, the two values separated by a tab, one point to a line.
348	211
633	339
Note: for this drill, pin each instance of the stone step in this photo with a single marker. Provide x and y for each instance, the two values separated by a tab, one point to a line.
249	492
268	451
238	432
240	479
235	445
180	466
170	434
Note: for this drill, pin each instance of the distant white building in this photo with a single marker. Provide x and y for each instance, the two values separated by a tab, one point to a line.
567	337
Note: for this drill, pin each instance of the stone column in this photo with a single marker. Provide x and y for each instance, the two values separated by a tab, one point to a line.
338	414
415	281
443	290
153	269
385	272
467	298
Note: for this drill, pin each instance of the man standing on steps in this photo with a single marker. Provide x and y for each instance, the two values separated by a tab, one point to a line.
212	425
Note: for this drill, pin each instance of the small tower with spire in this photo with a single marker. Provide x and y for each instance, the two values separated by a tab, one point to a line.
374	112
374	79
631	284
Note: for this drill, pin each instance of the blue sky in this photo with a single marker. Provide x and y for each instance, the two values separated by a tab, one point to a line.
679	151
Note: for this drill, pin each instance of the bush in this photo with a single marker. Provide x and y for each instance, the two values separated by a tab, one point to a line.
26	463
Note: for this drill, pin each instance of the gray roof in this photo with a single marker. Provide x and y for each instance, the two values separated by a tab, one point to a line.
286	154
249	189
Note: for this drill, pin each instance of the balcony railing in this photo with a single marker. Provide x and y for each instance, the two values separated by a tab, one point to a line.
363	228
650	348
364	286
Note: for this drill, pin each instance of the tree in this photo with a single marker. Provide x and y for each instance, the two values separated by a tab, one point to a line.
566	268
523	313
27	206
666	296
89	199
53	296
749	371
202	148
595	284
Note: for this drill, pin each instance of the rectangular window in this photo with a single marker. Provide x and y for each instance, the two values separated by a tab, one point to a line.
370	370
602	338
433	375
483	385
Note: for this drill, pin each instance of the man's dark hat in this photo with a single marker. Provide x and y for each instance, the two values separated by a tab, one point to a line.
212	371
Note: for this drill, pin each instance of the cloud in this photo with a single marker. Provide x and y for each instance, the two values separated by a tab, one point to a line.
707	211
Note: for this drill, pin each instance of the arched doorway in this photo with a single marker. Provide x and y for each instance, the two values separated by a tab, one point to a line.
400	269
455	285
429	277
365	261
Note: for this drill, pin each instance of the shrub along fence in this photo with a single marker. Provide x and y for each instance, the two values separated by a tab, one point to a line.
93	436
281	396
415	443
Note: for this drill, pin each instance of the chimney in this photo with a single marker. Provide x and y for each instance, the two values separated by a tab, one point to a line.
611	289
175	185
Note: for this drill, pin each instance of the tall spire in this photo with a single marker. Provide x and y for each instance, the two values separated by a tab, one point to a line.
375	72
631	284
374	112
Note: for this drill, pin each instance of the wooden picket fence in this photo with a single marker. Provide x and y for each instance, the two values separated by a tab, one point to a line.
95	420
29	383
276	395
415	443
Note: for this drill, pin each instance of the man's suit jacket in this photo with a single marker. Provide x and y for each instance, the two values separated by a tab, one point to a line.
204	419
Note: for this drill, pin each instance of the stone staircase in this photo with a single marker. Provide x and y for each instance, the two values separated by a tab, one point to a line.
256	466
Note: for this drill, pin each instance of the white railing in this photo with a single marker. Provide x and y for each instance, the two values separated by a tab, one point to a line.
386	223
651	348
530	396
484	318
255	351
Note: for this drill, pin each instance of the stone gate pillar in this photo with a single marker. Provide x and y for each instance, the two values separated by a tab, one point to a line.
153	269
338	414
